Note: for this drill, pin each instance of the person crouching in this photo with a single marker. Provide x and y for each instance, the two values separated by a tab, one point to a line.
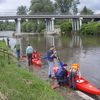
62	75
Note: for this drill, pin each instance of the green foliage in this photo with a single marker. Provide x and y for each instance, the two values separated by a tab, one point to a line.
22	10
28	26
92	28
10	26
63	5
32	26
66	27
41	7
74	6
86	11
3	44
40	27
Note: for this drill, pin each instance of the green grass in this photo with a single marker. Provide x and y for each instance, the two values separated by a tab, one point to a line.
3	44
16	83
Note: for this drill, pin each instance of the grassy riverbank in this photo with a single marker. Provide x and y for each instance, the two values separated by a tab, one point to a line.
3	44
16	83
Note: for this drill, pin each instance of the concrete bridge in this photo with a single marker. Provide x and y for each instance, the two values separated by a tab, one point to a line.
76	20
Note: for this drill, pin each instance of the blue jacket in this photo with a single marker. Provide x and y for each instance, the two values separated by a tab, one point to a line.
49	57
29	50
62	72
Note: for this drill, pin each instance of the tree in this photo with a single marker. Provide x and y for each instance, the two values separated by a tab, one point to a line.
74	6
86	11
22	10
41	7
10	26
63	5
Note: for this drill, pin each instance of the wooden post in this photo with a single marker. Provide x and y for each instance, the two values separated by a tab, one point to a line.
8	58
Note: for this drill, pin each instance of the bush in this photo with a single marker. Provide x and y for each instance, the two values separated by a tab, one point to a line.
32	26
92	28
7	26
41	26
66	27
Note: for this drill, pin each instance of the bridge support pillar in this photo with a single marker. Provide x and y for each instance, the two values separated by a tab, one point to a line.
50	25
18	25
76	24
80	20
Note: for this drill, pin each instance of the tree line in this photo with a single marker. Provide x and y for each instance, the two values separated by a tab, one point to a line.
47	7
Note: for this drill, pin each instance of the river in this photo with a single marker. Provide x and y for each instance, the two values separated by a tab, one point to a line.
82	50
72	50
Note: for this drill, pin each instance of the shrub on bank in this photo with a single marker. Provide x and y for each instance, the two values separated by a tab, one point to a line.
32	26
66	27
92	28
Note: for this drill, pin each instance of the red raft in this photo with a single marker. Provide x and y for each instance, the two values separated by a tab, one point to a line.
37	62
84	85
35	59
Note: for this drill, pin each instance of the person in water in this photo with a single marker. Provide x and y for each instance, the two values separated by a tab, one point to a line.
72	76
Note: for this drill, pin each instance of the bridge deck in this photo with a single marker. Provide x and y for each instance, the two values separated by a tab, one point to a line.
48	17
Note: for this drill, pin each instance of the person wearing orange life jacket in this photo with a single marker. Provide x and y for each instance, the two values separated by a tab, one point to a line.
72	76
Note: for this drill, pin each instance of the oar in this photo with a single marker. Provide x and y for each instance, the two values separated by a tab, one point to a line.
61	63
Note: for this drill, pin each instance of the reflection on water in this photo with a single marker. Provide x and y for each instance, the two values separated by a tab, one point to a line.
76	41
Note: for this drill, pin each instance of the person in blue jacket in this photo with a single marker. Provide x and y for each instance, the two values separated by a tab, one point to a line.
50	57
62	74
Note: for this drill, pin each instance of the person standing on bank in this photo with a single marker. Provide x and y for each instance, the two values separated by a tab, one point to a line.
18	52
50	57
8	42
55	58
29	51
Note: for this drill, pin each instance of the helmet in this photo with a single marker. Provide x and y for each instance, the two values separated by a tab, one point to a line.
75	66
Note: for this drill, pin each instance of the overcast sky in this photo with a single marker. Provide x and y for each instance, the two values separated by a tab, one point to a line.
11	6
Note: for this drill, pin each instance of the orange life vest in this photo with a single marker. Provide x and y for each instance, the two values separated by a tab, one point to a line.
75	66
